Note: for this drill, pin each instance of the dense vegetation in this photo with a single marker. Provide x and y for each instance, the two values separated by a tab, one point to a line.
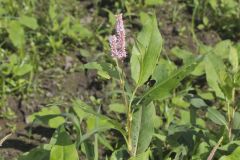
77	82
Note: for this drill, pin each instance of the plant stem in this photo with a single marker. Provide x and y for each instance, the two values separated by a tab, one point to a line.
128	126
128	105
122	82
229	120
210	157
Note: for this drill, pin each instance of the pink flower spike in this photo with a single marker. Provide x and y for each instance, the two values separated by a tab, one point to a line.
119	24
113	45
117	42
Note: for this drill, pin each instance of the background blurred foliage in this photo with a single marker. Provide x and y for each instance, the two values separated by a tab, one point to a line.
195	102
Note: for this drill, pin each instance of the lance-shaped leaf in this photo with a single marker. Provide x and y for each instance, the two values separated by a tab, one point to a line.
146	50
162	89
216	116
142	128
215	73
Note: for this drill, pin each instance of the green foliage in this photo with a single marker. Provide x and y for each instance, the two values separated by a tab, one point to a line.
146	51
63	149
48	116
233	156
169	103
142	128
216	116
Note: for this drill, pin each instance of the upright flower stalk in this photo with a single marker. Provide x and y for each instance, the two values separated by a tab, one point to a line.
117	44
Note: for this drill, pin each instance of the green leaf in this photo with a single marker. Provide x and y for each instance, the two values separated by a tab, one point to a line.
64	149
215	72
77	107
236	120
216	116
198	102
142	156
142	128
105	70
222	48
186	56
22	69
163	70
146	51
30	22
64	152
233	156
84	108
49	116
117	107
213	3
39	153
179	101
16	34
162	89
201	152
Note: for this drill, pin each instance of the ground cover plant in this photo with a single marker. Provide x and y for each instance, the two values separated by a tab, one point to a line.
138	80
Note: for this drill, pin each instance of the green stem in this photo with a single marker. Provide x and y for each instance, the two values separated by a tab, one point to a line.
229	120
128	126
192	27
122	82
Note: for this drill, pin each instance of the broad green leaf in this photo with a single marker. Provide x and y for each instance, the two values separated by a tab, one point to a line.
16	34
39	153
64	149
102	124
198	102
65	152
163	70
146	51
22	69
49	116
30	22
206	95
117	107
213	3
162	89
105	70
142	128
233	156
215	72
179	101
222	48
216	116
186	56
77	107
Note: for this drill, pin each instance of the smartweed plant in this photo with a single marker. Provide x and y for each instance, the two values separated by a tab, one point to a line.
138	100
